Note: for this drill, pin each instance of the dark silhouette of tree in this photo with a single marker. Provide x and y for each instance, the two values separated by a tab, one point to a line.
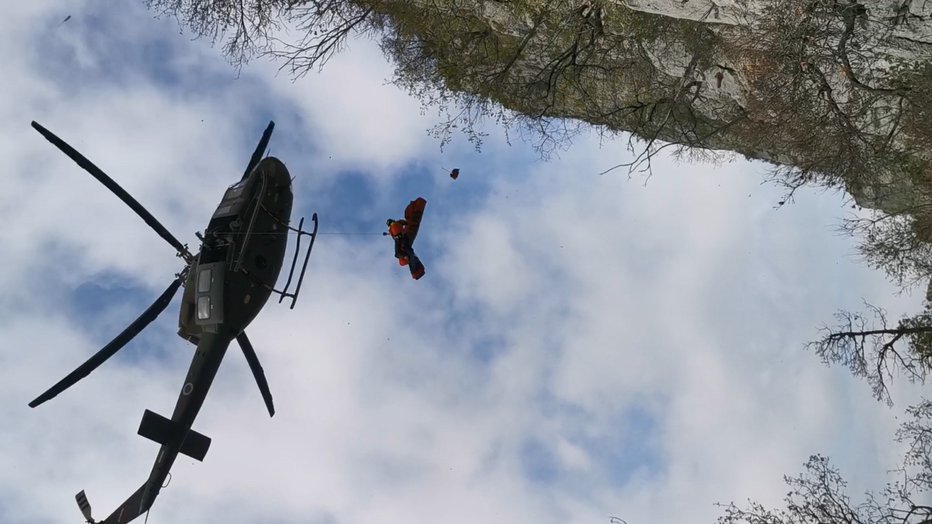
323	27
818	496
898	242
874	349
244	26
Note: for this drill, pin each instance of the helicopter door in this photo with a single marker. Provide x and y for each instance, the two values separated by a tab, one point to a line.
208	295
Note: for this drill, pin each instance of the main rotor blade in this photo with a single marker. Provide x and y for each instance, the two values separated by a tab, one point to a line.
115	188
257	371
115	345
260	150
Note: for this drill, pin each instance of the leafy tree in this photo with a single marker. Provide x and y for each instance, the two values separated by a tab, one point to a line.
814	99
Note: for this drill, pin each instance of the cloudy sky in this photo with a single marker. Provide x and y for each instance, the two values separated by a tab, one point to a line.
582	346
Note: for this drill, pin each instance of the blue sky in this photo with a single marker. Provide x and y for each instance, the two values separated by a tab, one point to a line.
582	345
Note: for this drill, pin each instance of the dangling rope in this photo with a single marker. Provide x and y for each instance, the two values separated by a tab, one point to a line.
343	233
346	234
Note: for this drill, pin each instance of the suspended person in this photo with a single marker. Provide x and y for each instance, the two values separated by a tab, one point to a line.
403	232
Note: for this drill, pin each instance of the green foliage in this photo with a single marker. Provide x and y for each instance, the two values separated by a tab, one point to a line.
525	64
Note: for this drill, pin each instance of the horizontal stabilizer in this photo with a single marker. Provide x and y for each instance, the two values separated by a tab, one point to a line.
159	429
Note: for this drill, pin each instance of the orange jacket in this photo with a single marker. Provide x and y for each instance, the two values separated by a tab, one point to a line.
397	228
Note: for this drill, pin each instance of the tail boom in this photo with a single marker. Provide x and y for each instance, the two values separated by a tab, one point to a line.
130	509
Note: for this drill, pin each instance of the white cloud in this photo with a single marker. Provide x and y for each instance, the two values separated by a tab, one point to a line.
353	117
582	346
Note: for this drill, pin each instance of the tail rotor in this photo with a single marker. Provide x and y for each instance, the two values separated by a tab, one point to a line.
85	506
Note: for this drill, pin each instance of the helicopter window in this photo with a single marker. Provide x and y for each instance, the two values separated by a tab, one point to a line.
203	281
203	308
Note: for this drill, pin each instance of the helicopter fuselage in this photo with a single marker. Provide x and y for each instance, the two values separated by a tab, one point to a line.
234	273
241	254
226	285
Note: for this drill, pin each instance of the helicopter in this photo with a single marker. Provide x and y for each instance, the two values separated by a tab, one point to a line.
226	284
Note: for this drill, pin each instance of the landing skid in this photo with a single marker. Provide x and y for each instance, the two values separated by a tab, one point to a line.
283	294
